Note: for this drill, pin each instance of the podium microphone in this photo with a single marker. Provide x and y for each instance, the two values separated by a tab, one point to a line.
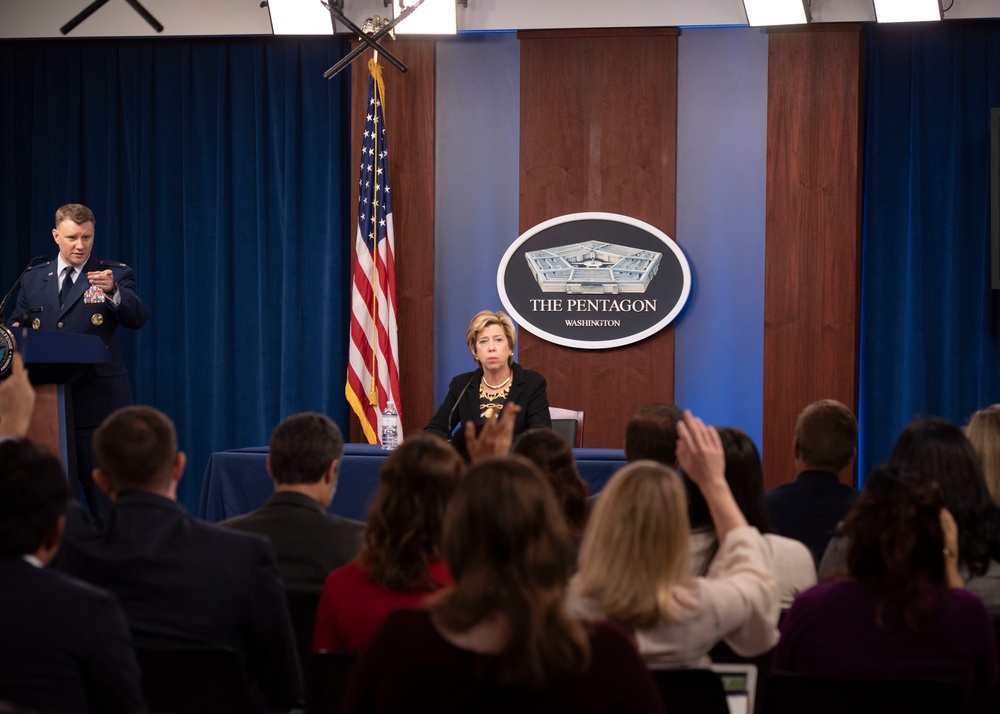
6	298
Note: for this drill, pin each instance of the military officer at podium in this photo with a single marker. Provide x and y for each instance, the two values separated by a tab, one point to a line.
78	293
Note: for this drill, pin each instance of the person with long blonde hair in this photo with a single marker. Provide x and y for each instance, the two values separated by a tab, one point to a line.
634	563
984	433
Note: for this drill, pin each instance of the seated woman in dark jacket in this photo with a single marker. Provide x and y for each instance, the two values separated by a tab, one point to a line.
482	394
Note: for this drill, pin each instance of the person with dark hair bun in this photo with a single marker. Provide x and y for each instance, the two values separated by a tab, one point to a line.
901	612
553	455
400	563
792	562
501	639
940	451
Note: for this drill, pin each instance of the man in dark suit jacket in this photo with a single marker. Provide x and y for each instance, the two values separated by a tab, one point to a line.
303	461
64	645
78	293
182	582
809	509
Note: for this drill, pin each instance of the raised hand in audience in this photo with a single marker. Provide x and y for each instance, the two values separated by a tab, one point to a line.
702	459
17	400
496	437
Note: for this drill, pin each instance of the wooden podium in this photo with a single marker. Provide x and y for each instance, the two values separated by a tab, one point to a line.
54	360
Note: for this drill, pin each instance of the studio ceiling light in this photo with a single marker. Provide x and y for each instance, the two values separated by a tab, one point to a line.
433	17
908	10
299	17
761	13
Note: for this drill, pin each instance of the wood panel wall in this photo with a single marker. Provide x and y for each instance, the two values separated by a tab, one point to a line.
599	133
813	230
409	117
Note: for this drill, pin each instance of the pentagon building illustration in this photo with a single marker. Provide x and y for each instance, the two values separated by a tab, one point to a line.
593	267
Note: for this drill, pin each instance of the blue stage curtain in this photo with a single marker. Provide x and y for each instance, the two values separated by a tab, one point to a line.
930	336
217	169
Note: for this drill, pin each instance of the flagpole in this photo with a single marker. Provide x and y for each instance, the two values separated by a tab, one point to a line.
373	356
373	392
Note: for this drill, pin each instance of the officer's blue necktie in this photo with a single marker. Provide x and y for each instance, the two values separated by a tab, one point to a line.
66	286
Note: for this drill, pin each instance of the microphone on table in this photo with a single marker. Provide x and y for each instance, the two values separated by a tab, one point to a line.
459	399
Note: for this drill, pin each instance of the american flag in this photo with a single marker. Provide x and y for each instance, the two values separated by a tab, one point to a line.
373	360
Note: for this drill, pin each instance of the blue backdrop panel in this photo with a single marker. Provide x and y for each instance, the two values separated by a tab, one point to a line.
721	170
476	206
217	169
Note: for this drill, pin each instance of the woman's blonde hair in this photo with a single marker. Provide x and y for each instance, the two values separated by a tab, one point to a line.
484	319
634	560
984	433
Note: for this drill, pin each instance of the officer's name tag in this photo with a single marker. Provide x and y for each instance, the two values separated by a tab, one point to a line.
93	295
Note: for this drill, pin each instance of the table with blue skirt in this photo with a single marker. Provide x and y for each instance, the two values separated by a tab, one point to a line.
236	481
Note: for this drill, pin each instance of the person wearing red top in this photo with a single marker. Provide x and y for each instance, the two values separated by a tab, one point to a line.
353	607
400	562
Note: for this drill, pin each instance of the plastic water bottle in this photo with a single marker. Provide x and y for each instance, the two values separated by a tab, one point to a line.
390	427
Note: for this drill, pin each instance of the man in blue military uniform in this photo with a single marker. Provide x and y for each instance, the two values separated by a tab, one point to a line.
79	293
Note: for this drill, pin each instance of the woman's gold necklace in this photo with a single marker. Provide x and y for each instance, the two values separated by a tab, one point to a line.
499	386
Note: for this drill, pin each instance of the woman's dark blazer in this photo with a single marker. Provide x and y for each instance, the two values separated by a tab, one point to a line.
527	389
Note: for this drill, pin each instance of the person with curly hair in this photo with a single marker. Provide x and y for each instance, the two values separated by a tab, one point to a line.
940	451
400	562
900	612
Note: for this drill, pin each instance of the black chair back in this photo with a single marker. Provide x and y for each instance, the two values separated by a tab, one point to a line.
566	428
195	681
302	606
327	681
691	691
786	693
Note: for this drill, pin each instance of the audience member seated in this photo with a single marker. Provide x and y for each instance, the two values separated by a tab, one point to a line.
940	451
651	434
400	562
181	582
984	433
635	561
64	644
553	455
901	612
809	509
310	543
791	561
500	639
